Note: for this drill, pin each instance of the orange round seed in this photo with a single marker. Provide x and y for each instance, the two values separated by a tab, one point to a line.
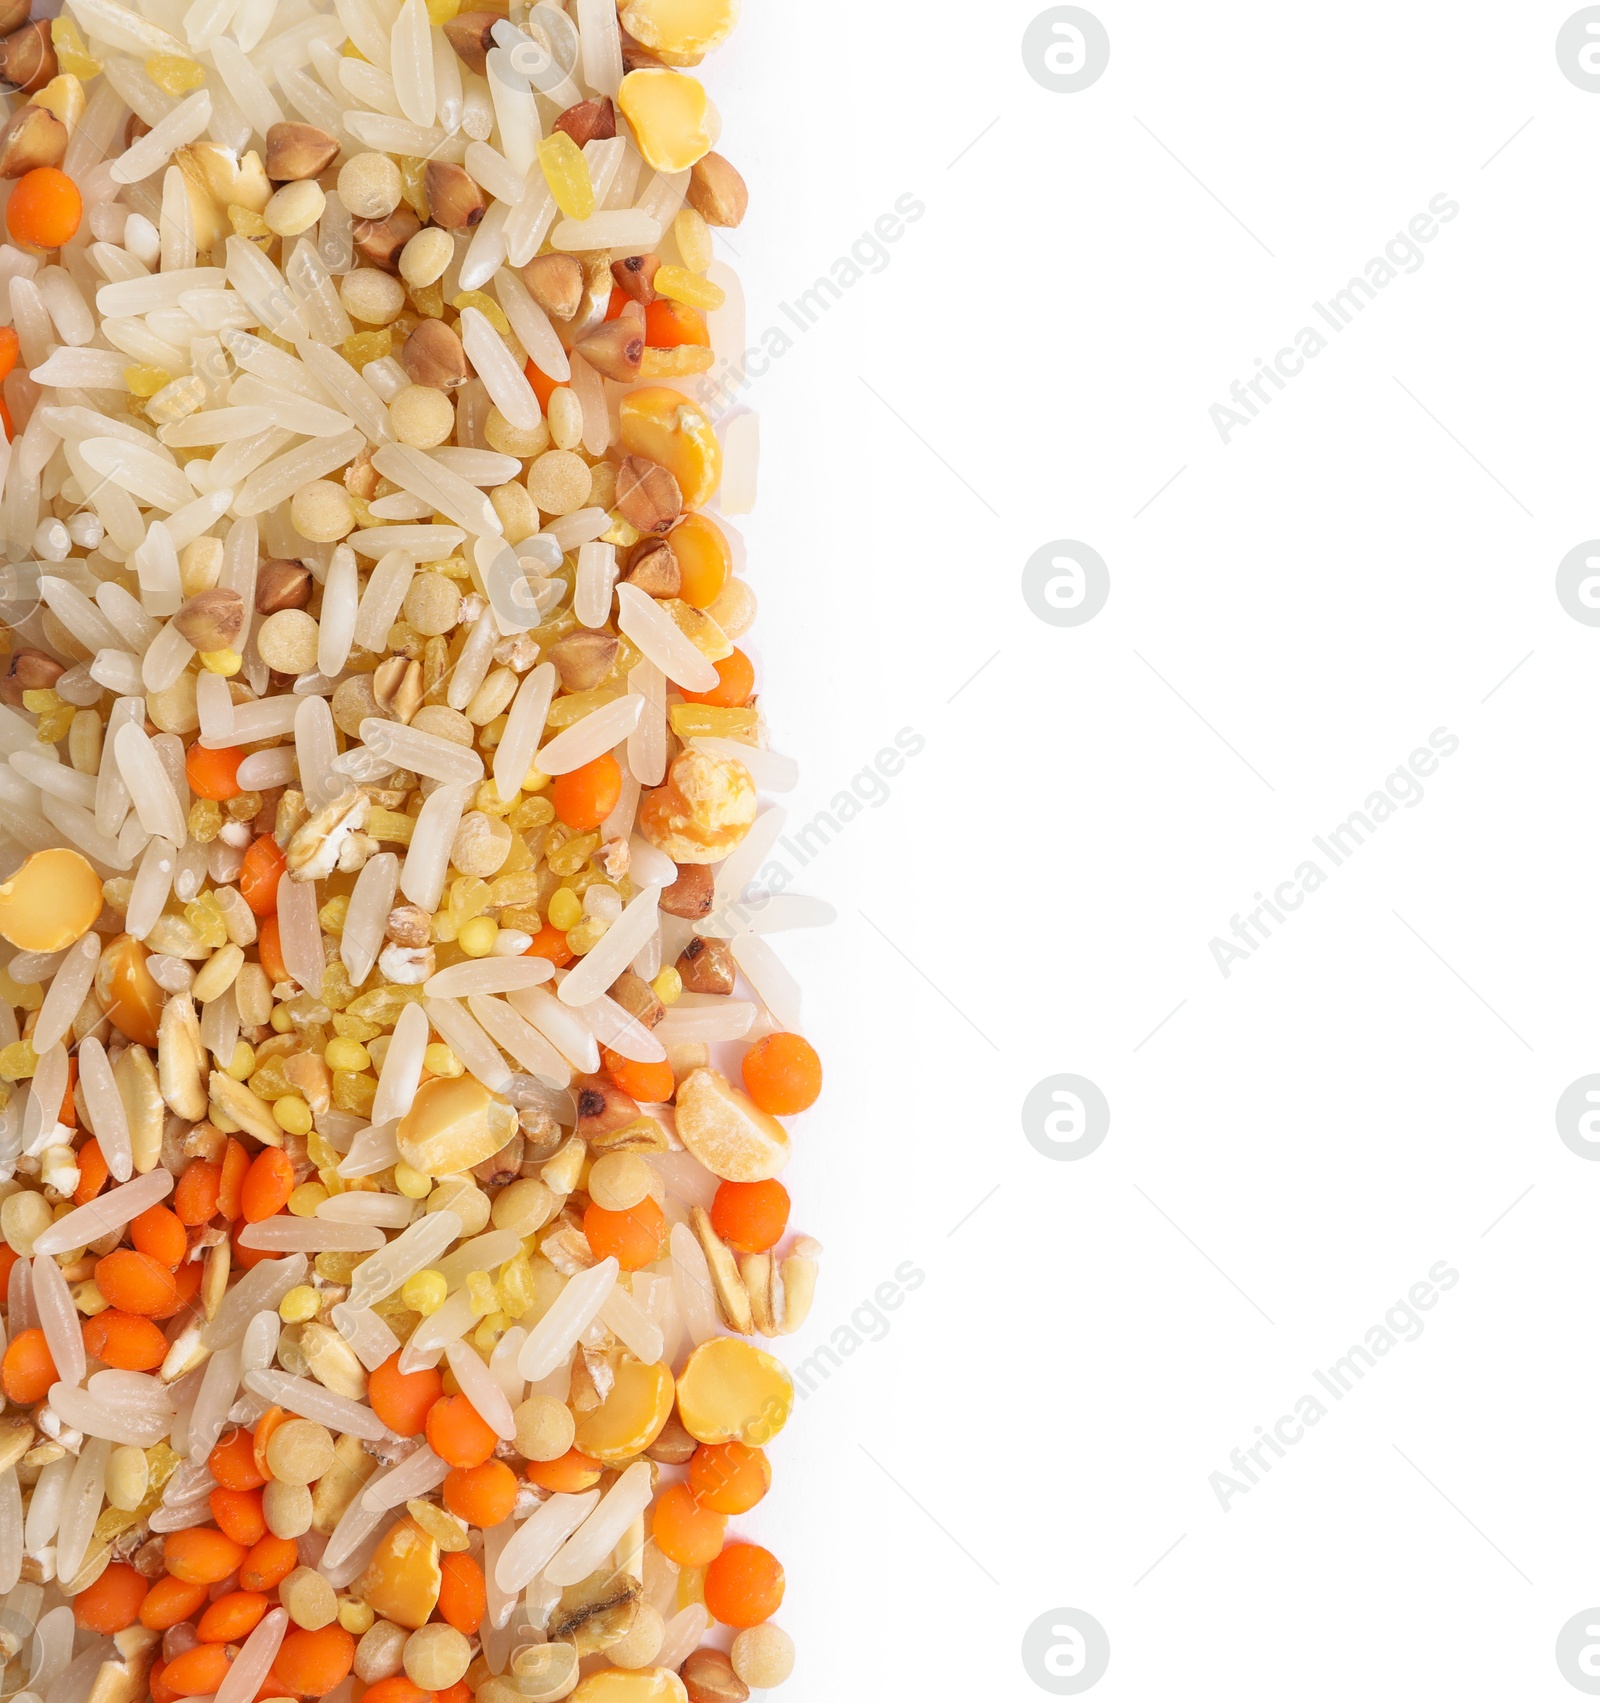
729	1477
457	1432
135	1283
28	1369
113	1601
202	1555
45	208
125	1341
481	1495
744	1585
782	1074
684	1530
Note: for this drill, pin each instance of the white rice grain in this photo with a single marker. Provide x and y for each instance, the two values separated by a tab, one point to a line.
593	735
187	122
371	900
427	860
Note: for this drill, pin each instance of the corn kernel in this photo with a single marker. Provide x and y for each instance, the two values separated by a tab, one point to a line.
478	937
145	381
354	1028
480	1290
438	1060
565	909
366	346
72	53
567	173
332	915
354	1091
425	1291
18	1061
174	75
693	238
305	1200
301	1304
678	284
490	1330
321	1154
586	935
439	12
346	1055
205	821
487	306
413	1184
223	662
292	1114
668	986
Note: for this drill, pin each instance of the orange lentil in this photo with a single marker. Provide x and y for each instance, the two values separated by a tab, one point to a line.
92	1172
171	1602
235	1162
186	1284
736	680
571	1473
633	1237
550	942
312	1663
729	1477
8	1258
197	1672
28	1369
160	1691
481	1495
395	1689
684	1530
238	1514
585	796
782	1073
69	1111
194	1200
113	1601
751	1217
457	1432
259	874
269	945
463	1596
267	1185
265	1426
402	1399
246	1259
213	773
544	387
10	347
744	1585
45	208
649	1084
460	1692
202	1555
269	1563
159	1232
125	1340
232	1618
232	1462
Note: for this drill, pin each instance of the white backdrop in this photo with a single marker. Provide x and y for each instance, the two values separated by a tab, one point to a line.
1048	1361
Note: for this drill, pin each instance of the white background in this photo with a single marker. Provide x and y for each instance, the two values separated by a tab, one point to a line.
1365	1096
